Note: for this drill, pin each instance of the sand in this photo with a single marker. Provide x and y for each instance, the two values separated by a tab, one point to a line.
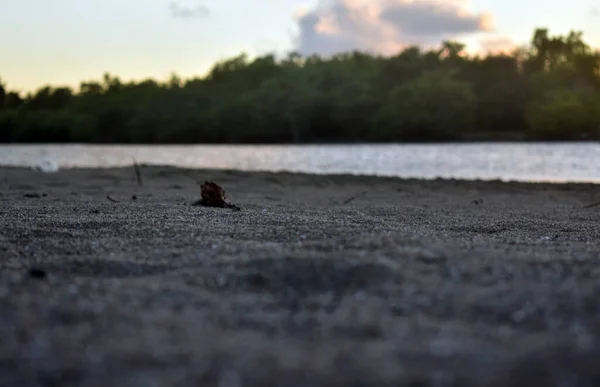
317	281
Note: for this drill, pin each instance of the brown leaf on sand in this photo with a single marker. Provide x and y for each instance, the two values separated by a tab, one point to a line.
212	195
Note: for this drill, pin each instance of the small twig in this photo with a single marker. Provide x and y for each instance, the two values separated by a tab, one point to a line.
111	199
353	197
591	205
495	230
138	173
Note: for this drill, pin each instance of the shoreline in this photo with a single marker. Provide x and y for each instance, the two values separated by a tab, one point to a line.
540	162
322	279
547	184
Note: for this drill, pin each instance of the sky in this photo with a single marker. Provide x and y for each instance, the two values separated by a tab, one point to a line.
64	42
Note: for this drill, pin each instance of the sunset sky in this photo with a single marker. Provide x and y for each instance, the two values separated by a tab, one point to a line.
62	42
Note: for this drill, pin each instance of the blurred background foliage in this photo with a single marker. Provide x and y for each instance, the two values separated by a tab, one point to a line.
549	90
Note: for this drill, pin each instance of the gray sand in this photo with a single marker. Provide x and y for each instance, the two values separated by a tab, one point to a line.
318	281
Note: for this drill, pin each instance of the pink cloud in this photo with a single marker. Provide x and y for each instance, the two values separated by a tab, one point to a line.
384	26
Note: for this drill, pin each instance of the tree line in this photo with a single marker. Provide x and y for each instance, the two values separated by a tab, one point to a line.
549	90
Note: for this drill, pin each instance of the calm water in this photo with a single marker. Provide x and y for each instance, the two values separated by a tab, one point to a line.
506	161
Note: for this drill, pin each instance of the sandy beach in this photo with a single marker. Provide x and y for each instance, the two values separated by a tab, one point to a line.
317	281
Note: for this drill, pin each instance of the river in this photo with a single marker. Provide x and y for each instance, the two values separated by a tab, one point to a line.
550	162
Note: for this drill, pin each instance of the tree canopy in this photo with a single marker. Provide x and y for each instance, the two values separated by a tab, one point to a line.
549	90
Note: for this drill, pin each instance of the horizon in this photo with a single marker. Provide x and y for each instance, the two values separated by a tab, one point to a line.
79	42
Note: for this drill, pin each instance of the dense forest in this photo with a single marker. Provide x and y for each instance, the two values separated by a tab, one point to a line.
549	90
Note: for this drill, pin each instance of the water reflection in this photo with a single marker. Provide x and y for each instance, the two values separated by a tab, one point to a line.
506	161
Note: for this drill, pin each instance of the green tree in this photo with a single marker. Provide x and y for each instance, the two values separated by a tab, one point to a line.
239	120
52	126
563	114
502	91
2	95
9	120
13	100
565	87
287	104
435	106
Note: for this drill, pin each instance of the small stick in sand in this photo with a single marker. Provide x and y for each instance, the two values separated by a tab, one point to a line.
111	199
138	173
591	205
353	197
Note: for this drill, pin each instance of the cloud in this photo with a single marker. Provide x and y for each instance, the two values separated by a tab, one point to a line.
383	26
188	10
595	12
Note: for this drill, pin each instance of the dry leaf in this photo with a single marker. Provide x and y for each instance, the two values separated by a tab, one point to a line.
212	195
